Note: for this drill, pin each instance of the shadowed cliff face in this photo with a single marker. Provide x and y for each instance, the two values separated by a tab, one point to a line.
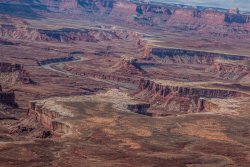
236	18
166	90
182	56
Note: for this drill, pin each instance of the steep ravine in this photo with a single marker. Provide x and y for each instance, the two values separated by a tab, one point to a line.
223	66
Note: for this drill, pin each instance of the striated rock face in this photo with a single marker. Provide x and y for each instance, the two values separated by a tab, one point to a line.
230	71
181	56
185	19
169	99
205	105
224	66
64	35
212	22
129	66
164	91
47	117
56	60
171	17
134	13
61	5
13	73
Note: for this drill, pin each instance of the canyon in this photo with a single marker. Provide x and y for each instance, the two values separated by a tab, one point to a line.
7	98
170	99
123	83
214	22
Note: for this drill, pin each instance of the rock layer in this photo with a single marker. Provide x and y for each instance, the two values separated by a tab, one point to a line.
181	56
129	66
13	73
213	22
169	99
230	71
66	35
48	118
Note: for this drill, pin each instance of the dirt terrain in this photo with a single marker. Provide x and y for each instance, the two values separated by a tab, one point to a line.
123	83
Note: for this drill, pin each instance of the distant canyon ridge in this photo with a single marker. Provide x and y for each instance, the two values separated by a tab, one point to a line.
176	18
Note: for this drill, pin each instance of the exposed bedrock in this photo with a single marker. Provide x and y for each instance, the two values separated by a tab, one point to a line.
65	34
170	99
11	74
215	22
129	65
224	66
140	108
165	90
210	22
205	105
230	71
48	118
8	67
182	56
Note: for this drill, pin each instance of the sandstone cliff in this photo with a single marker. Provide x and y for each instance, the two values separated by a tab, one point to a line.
48	117
170	99
7	98
128	66
11	74
65	35
181	56
213	22
230	71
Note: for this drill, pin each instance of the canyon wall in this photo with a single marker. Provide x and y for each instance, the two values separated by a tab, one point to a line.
139	108
65	35
111	77
8	98
11	74
205	105
165	90
181	56
170	99
212	22
48	118
56	60
129	66
223	66
230	71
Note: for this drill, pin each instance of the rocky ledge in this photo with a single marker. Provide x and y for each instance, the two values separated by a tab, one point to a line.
173	99
49	118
